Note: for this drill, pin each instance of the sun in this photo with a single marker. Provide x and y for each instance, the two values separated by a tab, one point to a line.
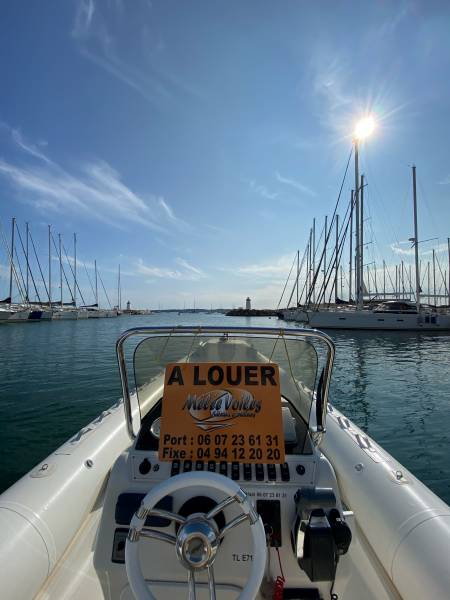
364	127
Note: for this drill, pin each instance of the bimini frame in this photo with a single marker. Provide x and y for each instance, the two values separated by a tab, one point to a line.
239	331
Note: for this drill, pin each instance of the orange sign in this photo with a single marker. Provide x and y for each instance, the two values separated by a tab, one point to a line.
222	412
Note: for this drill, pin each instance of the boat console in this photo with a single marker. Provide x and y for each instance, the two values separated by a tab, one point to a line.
204	521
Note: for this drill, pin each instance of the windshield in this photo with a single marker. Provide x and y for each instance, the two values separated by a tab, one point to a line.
297	359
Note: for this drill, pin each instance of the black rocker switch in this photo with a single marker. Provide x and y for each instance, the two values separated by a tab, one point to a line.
235	470
271	472
223	468
247	472
259	470
187	466
175	468
199	465
212	466
284	470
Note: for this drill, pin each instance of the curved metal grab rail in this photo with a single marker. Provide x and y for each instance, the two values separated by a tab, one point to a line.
197	330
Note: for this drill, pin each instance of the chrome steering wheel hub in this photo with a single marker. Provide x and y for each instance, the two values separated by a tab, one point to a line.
197	542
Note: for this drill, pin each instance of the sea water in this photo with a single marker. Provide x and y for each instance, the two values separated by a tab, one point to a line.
57	376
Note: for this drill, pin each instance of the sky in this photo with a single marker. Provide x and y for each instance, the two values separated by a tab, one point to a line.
194	142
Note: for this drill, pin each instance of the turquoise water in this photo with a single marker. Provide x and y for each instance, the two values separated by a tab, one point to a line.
57	376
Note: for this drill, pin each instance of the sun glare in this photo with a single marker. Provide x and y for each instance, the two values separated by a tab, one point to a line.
364	128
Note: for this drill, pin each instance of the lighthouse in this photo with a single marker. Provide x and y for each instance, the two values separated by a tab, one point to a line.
248	304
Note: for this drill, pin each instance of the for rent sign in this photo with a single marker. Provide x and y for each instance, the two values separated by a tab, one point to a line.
225	411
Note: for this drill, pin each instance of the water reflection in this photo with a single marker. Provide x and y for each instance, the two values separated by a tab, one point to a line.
395	386
58	376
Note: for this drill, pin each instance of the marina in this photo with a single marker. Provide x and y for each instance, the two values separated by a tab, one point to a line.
317	294
393	385
31	292
224	301
338	518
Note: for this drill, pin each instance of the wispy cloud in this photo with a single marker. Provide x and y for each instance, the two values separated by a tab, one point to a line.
405	248
32	149
295	184
83	18
277	267
98	42
389	27
188	267
97	191
187	272
261	190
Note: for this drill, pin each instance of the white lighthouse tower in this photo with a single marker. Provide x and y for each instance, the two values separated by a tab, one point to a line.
248	304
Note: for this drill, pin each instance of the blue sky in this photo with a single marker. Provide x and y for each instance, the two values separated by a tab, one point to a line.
193	142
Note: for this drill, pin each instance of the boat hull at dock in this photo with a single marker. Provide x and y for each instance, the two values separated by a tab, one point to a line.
5	314
65	314
368	320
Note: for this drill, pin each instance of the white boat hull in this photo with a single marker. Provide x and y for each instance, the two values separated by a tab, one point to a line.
364	319
65	315
5	314
49	519
20	315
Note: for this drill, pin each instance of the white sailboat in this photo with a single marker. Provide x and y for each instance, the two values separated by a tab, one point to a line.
104	516
395	315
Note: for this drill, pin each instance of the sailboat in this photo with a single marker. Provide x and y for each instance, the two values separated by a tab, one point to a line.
223	473
397	314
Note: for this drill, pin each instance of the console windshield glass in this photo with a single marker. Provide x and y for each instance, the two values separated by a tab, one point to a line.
297	359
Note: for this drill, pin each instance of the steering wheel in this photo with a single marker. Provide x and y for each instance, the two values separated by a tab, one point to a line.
198	537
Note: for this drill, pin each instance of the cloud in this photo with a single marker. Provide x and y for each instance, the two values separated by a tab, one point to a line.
261	190
83	18
99	43
405	248
28	147
296	185
390	26
277	267
188	272
97	191
184	263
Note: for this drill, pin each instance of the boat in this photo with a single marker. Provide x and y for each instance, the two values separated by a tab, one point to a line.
397	314
65	314
5	314
427	319
223	473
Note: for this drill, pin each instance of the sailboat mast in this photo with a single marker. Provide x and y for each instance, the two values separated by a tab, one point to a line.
434	276
28	265
298	272
337	262
11	265
359	304
60	270
308	267
361	237
75	269
314	257
448	246
350	269
119	299
49	267
416	240
96	283
325	255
